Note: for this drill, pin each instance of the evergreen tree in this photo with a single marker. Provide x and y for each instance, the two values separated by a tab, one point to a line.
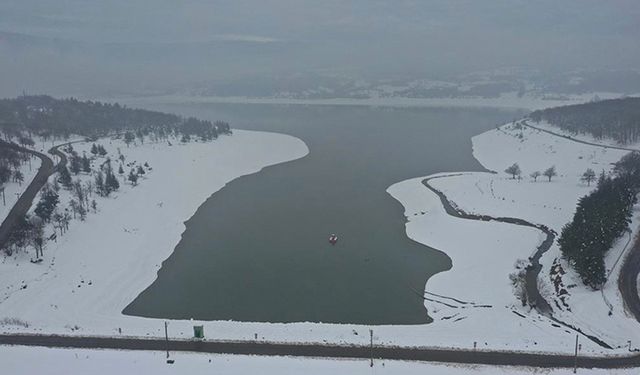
86	164
129	137
133	178
48	201
100	188
75	164
600	219
101	150
588	176
94	149
65	176
111	181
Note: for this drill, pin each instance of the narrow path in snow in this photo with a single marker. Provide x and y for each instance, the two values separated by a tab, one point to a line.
533	294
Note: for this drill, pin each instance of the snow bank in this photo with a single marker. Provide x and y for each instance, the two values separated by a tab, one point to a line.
20	361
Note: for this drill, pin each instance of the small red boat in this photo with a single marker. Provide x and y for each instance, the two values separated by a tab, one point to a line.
333	239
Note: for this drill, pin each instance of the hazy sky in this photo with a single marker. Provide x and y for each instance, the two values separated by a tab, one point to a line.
105	44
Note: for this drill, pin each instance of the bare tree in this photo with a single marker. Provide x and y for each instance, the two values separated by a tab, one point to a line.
74	207
535	175
550	172
514	171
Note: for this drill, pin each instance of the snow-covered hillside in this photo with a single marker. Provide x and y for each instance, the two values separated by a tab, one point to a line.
485	253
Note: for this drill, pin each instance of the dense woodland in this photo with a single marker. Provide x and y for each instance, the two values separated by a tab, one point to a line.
618	119
600	219
48	116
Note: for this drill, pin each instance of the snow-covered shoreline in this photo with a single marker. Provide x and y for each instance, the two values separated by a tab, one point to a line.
485	253
104	263
508	101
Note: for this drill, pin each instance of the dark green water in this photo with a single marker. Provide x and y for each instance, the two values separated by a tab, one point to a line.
257	250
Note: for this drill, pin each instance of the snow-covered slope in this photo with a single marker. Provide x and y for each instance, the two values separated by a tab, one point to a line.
485	253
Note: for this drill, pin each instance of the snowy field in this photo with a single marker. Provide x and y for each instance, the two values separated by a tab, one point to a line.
20	361
485	253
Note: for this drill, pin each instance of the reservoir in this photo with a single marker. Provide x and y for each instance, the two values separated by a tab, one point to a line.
258	249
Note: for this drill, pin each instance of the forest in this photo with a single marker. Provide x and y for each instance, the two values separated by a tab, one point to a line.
618	119
601	218
48	116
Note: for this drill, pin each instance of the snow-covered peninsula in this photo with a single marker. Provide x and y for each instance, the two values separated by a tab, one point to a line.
476	297
100	265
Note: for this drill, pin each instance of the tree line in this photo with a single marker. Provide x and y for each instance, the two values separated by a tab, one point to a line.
516	173
618	119
48	116
600	219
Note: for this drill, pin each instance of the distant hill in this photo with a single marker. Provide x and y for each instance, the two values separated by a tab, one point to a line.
70	116
618	119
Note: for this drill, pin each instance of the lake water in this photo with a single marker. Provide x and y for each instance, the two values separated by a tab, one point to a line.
257	250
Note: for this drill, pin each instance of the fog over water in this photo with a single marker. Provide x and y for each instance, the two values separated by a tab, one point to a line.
253	47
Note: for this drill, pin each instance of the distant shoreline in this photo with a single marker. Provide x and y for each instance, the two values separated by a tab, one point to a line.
502	102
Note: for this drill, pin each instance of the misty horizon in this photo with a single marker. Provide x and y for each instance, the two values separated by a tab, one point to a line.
261	47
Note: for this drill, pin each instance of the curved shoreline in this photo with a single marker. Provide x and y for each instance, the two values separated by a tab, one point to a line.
533	294
532	271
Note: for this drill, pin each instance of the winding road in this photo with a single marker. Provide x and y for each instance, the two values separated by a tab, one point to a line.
47	168
25	201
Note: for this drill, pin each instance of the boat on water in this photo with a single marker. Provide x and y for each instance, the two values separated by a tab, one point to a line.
333	239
